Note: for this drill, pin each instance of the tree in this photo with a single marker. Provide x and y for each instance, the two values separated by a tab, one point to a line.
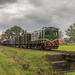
71	32
16	30
3	36
44	27
8	33
13	31
60	34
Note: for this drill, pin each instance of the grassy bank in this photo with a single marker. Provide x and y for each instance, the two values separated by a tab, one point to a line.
23	62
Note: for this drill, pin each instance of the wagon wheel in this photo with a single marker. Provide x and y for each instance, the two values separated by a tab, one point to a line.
19	46
15	45
26	46
22	46
30	46
33	46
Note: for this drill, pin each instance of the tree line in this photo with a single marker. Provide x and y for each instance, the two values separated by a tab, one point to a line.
17	31
13	31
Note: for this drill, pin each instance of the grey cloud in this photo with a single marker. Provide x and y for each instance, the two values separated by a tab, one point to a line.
32	16
36	2
38	18
57	14
7	1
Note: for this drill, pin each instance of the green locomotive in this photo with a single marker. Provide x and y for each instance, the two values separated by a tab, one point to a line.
47	38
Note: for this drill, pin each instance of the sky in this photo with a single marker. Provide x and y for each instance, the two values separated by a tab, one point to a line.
32	15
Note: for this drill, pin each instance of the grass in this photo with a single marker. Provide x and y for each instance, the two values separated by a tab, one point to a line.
67	47
70	73
15	61
24	62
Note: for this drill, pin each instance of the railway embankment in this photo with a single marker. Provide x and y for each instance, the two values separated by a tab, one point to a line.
34	62
15	61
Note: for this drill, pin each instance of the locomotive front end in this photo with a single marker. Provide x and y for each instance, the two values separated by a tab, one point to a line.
51	38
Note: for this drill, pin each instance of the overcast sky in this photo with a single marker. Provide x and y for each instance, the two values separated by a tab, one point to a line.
32	15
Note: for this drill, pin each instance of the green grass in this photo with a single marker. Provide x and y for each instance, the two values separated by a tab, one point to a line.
24	62
67	47
15	61
70	73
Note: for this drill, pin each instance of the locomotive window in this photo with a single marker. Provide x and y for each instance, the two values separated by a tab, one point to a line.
40	34
36	33
47	33
32	37
36	36
55	33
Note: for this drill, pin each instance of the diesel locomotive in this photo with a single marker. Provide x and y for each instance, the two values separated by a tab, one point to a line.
47	38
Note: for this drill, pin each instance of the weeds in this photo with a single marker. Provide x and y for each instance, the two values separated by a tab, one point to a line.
22	62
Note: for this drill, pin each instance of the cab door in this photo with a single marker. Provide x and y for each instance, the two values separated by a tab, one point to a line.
42	36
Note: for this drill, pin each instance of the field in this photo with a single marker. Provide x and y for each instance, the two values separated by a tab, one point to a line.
15	61
67	47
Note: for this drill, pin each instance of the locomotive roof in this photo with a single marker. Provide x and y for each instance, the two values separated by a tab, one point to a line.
51	28
45	29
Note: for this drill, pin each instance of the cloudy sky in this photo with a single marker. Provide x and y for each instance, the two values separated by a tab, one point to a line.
32	15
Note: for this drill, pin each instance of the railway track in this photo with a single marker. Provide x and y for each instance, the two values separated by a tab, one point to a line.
59	51
68	55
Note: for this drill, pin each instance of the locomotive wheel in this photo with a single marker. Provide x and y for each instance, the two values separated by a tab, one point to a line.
35	47
39	47
26	46
32	47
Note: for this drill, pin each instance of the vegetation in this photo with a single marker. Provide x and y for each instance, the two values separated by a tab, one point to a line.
60	34
24	62
70	47
70	73
71	32
13	31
